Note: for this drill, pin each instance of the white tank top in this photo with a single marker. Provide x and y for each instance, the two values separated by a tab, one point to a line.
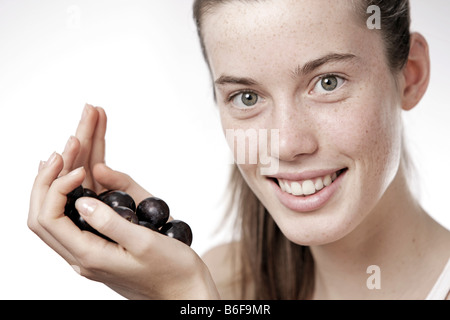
441	288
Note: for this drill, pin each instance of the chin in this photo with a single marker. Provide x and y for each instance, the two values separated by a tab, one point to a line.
324	226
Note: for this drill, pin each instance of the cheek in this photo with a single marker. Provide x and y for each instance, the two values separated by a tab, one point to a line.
244	140
369	133
248	140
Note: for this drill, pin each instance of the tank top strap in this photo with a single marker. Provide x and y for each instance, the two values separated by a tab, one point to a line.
441	288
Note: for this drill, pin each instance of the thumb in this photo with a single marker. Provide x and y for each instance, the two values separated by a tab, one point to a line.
107	222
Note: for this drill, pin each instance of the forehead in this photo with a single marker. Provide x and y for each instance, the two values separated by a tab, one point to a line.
282	30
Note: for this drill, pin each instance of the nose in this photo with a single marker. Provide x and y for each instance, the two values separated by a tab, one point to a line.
297	134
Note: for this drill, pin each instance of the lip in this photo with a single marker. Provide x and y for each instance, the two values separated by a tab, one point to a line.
309	203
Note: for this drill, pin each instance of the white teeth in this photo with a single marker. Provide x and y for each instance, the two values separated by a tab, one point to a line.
318	184
307	187
333	176
326	180
282	185
287	187
296	189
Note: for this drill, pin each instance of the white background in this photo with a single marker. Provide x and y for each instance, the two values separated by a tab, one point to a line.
141	61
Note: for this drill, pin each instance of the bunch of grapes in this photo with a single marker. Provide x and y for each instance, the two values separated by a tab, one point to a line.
151	212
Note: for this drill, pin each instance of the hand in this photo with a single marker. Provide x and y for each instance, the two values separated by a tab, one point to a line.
142	263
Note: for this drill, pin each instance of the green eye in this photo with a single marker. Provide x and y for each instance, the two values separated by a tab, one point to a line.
329	83
245	100
249	99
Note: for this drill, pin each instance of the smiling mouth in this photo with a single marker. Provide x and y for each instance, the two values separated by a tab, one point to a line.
309	187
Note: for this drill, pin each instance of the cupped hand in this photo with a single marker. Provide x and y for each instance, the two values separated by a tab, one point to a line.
141	264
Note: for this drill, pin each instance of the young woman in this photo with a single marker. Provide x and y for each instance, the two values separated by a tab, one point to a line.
335	220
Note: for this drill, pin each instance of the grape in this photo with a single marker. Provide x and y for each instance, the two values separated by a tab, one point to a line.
154	211
127	213
146	224
72	212
89	193
73	195
114	198
69	209
179	230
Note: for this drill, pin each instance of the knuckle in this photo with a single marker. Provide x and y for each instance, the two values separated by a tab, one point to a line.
147	245
143	250
86	273
88	261
33	225
42	221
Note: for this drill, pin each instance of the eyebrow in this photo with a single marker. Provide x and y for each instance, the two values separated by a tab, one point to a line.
312	65
307	68
223	80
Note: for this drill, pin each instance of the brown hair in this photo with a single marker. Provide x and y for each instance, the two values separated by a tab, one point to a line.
275	267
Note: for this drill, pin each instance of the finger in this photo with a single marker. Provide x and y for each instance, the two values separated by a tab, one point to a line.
115	180
52	219
98	144
106	221
69	154
47	174
84	133
56	197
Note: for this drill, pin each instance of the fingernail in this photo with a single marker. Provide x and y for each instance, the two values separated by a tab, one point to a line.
69	142
86	206
50	160
86	110
76	268
41	165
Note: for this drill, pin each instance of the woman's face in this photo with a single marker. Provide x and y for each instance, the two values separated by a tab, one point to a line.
314	78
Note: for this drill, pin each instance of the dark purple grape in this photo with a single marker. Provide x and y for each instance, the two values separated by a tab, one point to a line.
179	230
146	224
101	194
72	196
89	193
116	198
154	211
71	212
83	225
127	214
76	193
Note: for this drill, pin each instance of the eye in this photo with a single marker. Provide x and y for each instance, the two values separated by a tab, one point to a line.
328	83
245	100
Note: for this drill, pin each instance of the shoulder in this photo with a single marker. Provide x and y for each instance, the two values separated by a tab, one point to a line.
224	265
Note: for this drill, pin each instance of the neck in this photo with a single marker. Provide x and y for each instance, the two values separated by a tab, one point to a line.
378	260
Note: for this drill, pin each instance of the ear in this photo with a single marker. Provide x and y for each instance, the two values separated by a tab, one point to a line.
416	73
